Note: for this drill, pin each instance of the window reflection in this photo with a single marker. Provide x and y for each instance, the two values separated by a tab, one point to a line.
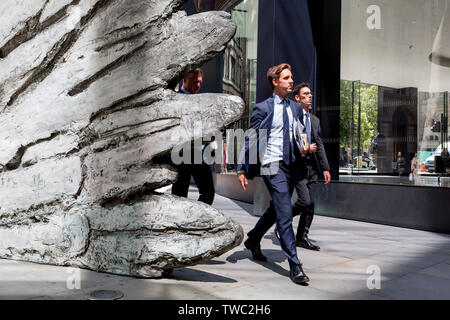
239	74
394	92
239	62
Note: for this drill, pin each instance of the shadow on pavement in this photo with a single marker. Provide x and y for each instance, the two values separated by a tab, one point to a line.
247	207
188	274
212	262
273	257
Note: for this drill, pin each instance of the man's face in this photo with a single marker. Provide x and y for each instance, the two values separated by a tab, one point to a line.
283	85
193	82
304	98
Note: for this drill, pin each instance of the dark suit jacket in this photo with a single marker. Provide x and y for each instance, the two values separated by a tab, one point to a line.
320	157
193	150
262	117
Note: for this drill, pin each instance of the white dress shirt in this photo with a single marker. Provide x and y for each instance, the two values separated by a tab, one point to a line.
274	150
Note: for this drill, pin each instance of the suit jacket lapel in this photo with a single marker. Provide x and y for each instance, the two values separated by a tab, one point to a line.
266	123
300	115
314	126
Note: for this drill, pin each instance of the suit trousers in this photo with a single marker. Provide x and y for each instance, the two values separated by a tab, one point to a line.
280	187
305	199
202	175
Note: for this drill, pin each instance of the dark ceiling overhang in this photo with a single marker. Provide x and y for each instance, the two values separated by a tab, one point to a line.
219	5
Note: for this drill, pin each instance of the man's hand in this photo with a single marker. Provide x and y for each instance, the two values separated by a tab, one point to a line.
242	180
327	177
313	148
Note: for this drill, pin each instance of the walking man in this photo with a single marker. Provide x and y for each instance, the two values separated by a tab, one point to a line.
276	117
315	161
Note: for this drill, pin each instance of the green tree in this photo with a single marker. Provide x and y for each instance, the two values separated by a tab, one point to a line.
369	114
346	113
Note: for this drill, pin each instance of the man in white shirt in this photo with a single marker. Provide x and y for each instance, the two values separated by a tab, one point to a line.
277	115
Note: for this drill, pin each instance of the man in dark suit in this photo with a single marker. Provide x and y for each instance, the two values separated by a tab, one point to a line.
201	172
315	160
273	122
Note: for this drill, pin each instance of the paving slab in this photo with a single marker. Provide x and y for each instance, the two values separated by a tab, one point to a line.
417	286
353	276
411	257
399	235
314	260
271	290
365	294
441	270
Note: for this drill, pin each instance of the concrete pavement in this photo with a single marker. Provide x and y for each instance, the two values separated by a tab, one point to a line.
411	264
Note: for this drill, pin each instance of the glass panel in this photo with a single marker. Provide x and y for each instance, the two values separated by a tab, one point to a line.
240	69
346	131
395	71
356	126
369	128
243	54
226	66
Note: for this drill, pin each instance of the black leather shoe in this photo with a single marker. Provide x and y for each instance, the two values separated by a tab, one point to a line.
255	250
297	274
277	235
306	243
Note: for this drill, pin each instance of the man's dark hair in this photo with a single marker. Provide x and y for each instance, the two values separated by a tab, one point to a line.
275	71
297	88
197	70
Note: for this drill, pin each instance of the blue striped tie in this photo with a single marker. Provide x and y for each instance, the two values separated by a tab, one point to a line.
286	138
308	128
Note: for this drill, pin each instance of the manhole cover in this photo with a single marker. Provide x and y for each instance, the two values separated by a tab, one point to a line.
105	295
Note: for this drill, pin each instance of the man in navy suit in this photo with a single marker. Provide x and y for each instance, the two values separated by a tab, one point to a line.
274	120
201	172
315	161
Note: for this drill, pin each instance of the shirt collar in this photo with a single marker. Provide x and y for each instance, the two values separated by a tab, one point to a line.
279	100
184	90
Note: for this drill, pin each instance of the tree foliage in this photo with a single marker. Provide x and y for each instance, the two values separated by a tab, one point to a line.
368	95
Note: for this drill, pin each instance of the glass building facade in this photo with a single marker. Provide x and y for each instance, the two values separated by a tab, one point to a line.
240	66
394	82
395	78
